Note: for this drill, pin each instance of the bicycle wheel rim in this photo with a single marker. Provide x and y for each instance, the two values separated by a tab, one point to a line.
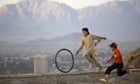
57	66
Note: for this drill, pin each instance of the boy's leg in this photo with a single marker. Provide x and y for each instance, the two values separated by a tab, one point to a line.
107	72
86	55
120	70
95	62
109	69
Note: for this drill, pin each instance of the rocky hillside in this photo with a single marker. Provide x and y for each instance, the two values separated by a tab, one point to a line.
132	59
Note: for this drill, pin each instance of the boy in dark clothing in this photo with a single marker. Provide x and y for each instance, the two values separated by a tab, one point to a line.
118	63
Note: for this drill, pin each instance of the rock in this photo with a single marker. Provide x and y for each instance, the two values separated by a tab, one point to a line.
132	59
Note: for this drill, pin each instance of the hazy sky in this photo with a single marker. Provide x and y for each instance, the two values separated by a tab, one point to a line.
3	2
83	3
73	3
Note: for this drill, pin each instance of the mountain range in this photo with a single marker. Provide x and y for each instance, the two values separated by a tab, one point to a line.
33	19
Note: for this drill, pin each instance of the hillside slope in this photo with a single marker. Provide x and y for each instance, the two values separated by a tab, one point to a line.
132	59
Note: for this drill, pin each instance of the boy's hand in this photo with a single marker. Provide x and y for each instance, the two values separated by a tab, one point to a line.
104	38
108	61
77	52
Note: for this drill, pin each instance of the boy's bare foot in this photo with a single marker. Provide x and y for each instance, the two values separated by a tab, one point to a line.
103	80
90	65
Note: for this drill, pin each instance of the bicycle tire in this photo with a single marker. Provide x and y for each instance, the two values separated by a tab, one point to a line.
56	63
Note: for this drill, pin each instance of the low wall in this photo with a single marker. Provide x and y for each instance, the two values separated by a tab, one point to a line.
75	78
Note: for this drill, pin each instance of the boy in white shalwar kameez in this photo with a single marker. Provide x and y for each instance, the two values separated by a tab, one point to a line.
91	51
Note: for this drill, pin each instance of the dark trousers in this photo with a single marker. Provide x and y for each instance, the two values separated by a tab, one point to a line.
119	68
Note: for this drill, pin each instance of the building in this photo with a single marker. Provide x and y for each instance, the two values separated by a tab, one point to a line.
40	64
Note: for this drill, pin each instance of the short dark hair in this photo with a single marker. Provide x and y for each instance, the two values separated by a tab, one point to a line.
85	29
113	45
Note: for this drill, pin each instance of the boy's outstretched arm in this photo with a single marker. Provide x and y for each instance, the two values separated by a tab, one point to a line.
98	37
110	58
80	47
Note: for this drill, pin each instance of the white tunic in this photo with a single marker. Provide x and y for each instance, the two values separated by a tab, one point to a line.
89	44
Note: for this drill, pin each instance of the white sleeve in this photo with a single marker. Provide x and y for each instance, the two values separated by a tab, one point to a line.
94	37
81	45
